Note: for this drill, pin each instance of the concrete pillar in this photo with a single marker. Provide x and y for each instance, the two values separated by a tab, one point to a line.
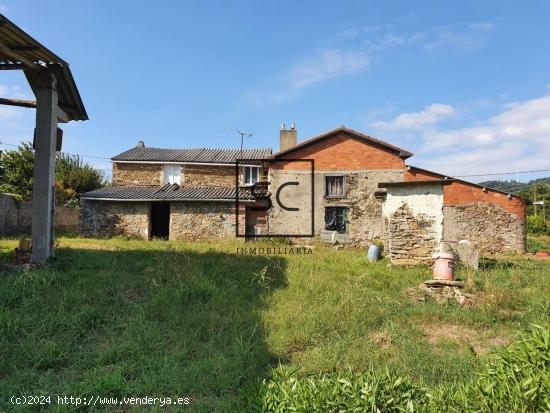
43	201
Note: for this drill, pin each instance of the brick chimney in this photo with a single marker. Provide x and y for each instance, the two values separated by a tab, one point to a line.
287	137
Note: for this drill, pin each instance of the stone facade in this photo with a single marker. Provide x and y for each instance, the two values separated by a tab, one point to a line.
188	220
489	225
137	174
193	221
111	218
364	209
208	175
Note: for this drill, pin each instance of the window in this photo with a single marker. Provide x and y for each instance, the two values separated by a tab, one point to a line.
172	174
336	219
251	174
335	186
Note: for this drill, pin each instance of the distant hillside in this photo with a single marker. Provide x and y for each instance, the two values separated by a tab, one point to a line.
521	188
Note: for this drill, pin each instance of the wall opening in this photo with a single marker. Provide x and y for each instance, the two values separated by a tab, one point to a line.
160	220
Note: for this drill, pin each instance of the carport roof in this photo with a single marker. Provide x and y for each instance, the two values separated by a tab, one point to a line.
18	50
168	192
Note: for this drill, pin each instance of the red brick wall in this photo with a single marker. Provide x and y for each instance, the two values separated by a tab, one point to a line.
415	175
342	152
461	193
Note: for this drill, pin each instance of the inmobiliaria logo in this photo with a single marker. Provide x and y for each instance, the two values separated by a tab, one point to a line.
274	198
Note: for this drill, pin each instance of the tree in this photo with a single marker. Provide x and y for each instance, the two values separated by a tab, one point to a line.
17	171
73	175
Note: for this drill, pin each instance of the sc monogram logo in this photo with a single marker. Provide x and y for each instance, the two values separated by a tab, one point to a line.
301	203
260	192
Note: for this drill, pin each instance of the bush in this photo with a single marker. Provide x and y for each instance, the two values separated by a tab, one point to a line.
349	392
537	225
516	380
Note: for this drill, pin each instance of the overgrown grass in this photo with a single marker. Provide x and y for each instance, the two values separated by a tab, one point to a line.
538	243
133	318
516	380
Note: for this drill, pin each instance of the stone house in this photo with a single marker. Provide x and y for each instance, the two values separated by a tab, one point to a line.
341	186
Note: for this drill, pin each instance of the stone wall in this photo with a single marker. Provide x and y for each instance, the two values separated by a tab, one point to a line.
193	221
364	209
412	238
16	217
413	216
208	175
136	174
494	228
107	219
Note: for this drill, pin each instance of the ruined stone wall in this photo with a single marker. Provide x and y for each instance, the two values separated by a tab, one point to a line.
412	237
494	228
413	217
193	221
107	219
136	174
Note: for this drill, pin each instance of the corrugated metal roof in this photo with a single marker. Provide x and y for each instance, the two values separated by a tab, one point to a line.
199	155
168	192
15	42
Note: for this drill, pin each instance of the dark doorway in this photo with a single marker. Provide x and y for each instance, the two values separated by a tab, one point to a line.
160	219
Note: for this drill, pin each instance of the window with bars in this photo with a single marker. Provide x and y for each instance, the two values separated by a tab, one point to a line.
172	174
251	174
336	219
335	186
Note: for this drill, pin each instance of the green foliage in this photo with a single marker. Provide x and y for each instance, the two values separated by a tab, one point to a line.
524	189
338	392
16	171
534	245
73	175
537	225
515	380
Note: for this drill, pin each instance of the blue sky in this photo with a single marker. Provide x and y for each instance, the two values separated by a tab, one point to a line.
464	85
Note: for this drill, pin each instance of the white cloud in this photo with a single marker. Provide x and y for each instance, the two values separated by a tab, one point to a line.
518	138
431	115
474	37
323	65
326	64
481	26
367	43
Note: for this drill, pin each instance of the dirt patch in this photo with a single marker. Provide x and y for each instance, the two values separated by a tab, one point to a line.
382	339
478	341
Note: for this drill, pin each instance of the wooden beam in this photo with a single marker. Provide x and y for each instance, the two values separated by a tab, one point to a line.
62	116
18	102
17	57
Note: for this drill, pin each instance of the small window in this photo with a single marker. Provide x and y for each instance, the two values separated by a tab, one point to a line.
336	219
251	174
335	186
172	174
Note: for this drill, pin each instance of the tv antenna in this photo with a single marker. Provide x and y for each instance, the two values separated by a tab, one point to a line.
243	134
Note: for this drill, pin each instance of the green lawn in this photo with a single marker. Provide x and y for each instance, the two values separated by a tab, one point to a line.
134	318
